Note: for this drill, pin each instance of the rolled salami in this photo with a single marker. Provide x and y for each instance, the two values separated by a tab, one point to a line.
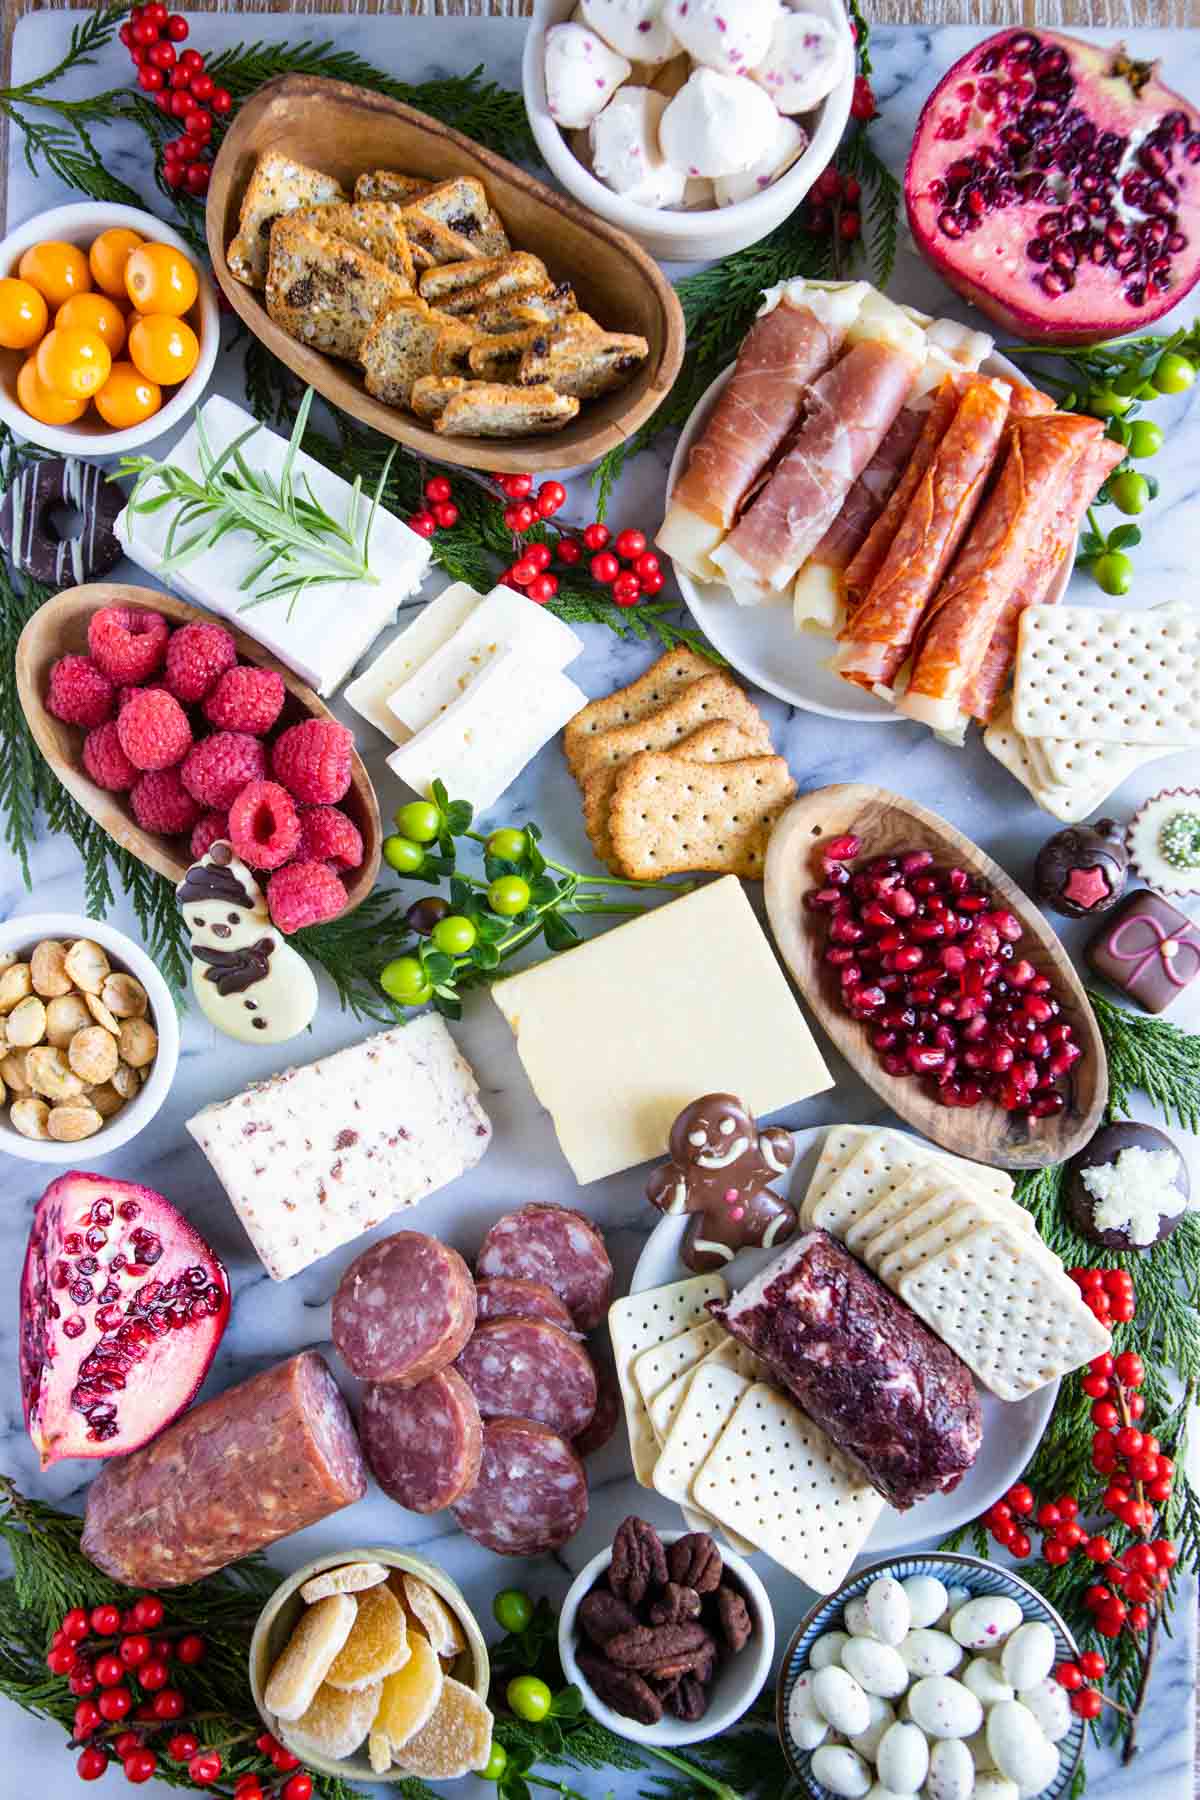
423	1443
403	1309
862	1366
959	621
557	1246
866	564
263	1459
532	1493
877	640
508	1297
526	1369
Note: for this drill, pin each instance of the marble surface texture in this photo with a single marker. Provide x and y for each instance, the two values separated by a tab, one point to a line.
270	1321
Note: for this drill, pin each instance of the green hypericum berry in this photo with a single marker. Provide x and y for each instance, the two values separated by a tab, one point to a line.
1145	438
401	854
1114	572
508	896
405	981
1129	492
419	820
454	935
507	844
1106	403
1174	374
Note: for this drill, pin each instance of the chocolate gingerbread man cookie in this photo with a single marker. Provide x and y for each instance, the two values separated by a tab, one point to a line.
720	1171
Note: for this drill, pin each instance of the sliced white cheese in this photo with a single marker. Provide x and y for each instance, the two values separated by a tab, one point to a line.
503	620
483	739
817	600
690	540
320	635
434	626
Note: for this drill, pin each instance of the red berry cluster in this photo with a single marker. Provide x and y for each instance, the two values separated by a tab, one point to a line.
531	570
1087	1702
441	511
180	86
1109	1293
833	205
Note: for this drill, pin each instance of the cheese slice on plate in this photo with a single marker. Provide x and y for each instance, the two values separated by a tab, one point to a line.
503	620
434	626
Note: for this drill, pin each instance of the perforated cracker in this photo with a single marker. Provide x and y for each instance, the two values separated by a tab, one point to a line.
1016	1323
889	1210
636	1323
672	816
708	1406
669	676
713	696
1122	676
840	1143
958	1219
1087	764
655	1368
881	1163
1006	744
789	1490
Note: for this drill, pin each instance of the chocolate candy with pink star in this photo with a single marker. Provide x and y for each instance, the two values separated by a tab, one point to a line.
1081	871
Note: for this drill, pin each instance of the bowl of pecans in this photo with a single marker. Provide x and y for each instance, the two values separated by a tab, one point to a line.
668	1638
89	1038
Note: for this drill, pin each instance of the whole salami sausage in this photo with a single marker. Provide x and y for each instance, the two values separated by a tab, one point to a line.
423	1443
508	1297
526	1369
403	1309
263	1459
531	1495
557	1246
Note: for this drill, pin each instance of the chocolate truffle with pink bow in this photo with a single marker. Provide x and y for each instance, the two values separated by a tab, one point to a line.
720	1172
1149	950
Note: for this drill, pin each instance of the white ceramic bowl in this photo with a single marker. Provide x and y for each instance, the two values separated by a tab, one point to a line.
684	236
20	935
739	1678
90	436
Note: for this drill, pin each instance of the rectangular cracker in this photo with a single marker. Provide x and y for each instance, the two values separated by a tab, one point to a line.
461	204
659	1365
714	695
635	1324
880	1161
890	1209
278	185
1121	676
1016	1323
668	677
670	816
708	1405
960	1214
729	1354
327	293
776	1476
373	226
837	1147
1005	743
491	409
721	741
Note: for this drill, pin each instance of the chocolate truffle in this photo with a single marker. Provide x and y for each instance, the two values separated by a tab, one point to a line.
1149	950
1164	841
1128	1189
1081	871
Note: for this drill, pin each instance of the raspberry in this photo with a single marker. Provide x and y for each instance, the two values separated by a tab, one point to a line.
161	803
219	767
327	835
80	693
154	730
105	761
196	656
305	893
246	699
313	760
264	826
208	829
127	643
125	694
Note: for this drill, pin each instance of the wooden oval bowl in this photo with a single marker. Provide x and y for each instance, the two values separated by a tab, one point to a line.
61	626
885	821
345	131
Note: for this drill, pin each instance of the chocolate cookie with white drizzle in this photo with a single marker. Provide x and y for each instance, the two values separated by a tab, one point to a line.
247	978
720	1172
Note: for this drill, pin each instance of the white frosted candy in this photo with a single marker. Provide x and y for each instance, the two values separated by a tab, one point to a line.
1029	1654
1050	1706
699	193
987	1682
805	60
956	1597
927	1652
903	1758
841	1701
927	1600
582	74
951	1771
992	1786
854	1617
633	28
944	1708
888	1612
730	35
624	149
1020	1748
877	1668
984	1624
882	1716
842	1771
1042	1769
717	125
805	1723
827	1649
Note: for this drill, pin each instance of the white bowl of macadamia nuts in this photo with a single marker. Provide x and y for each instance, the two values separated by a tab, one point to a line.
89	1039
697	126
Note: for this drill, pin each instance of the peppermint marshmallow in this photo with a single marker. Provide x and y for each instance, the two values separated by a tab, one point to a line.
582	74
717	125
789	141
731	36
806	60
633	28
625	150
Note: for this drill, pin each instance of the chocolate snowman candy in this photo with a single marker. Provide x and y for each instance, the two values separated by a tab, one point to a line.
720	1170
249	981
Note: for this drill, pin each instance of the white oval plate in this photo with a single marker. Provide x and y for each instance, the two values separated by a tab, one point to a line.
1012	1430
761	642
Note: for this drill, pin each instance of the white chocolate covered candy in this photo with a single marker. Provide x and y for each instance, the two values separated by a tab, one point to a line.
717	125
249	981
788	142
582	74
633	28
805	60
732	36
625	153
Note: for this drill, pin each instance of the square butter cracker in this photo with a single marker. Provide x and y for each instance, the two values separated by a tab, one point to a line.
729	1354
1121	676
708	1406
638	1322
722	741
1015	1323
790	1491
961	1217
837	1147
669	676
713	696
655	1368
881	1163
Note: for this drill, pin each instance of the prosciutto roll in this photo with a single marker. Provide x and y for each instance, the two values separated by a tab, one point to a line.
785	349
1091	470
991	564
880	635
848	412
868	559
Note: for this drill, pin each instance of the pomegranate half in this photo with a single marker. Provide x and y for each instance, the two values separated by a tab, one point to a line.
123	1305
1056	184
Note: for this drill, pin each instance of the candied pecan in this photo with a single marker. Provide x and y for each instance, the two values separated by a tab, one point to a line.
660	1647
639	1562
675	1605
736	1626
694	1561
688	1699
622	1689
602	1616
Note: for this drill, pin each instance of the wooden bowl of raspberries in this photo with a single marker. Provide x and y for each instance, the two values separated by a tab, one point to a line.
173	729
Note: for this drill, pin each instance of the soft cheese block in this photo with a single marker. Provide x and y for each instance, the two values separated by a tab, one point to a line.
503	620
620	1034
433	626
320	635
315	1156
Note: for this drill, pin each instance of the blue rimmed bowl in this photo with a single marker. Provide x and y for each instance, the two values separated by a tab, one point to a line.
981	1578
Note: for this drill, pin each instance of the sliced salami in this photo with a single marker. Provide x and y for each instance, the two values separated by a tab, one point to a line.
532	1493
603	1422
557	1246
508	1297
526	1369
423	1443
403	1309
